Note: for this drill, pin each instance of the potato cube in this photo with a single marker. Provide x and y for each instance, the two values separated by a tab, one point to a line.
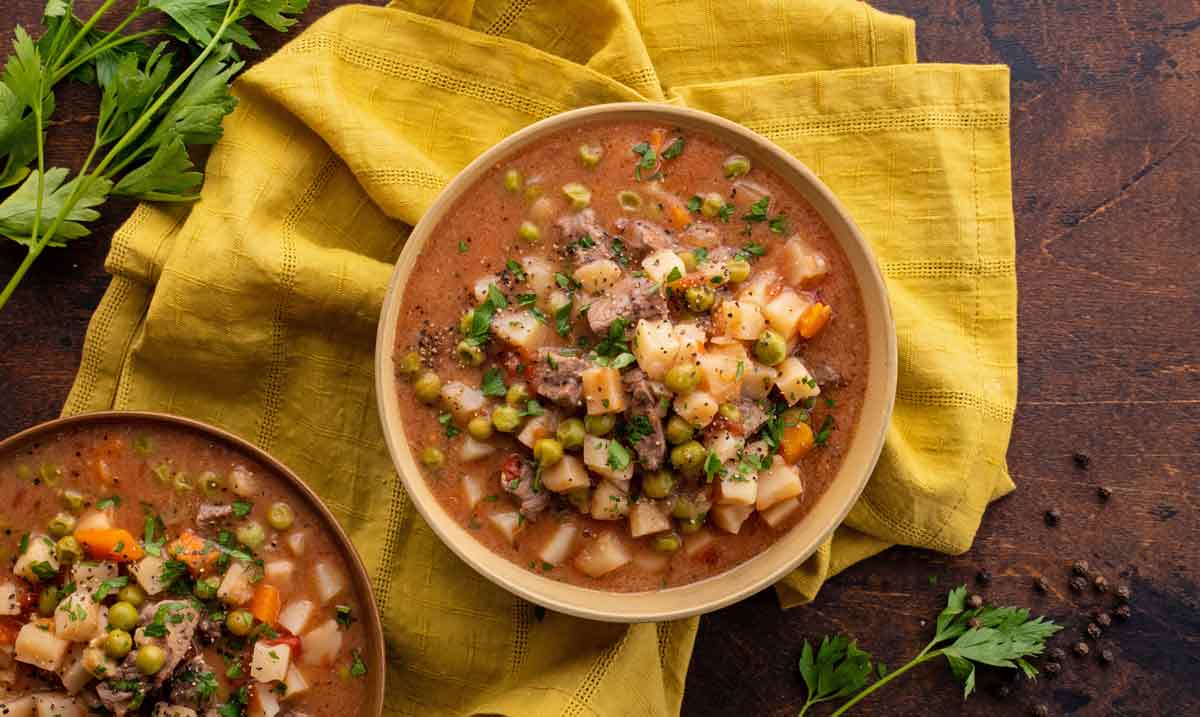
149	572
480	288
697	408
720	377
296	541
737	490
691	341
599	455
784	311
777	483
741	320
473	450
521	330
295	683
795	382
16	706
279	572
37	558
730	517
776	514
76	675
803	264
724	445
321	645
162	709
263	703
568	473
77	618
10	599
536	429
472	489
602	390
557	549
758	380
609	501
242	482
269	663
462	400
36	645
661	263
237	587
295	615
56	705
88	575
603	555
760	289
596	277
507	524
647	517
656	347
95	520
329	582
539	275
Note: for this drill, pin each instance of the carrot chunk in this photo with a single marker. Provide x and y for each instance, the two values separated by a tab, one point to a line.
264	606
814	319
115	544
796	443
196	552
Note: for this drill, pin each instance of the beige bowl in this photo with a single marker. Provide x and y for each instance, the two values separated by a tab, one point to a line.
790	549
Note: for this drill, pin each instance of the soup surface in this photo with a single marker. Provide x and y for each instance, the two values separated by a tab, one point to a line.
149	570
630	359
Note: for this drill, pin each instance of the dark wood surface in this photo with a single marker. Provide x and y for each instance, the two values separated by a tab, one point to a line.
1106	173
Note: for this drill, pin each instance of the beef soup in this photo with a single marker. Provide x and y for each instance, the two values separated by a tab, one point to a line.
630	359
149	570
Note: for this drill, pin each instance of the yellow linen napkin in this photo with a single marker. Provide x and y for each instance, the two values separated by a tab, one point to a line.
255	308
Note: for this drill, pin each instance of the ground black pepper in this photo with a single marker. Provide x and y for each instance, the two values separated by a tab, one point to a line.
1082	461
1081	649
975	602
1053	516
1104	492
983	577
1100	583
1080	567
1078	584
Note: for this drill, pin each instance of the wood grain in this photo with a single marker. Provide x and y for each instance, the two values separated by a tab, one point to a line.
1106	175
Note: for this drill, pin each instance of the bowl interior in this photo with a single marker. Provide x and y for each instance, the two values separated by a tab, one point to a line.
374	655
789	549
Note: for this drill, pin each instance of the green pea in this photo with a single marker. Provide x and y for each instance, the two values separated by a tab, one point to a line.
730	412
428	387
68	550
206	588
117	644
183	483
150	659
432	457
770	348
658	484
739	270
480	428
408	364
517	395
51	474
24	472
132	594
547	451
143	445
239	622
580	497
529	232
506	419
251	534
679	430
211	483
589	156
667	542
684	508
699	298
73	499
689	457
61	525
683	378
600	425
735	165
513	180
692	525
711	204
122	616
466	321
690	262
579	195
468	353
629	200
162	473
280	516
48	601
570	433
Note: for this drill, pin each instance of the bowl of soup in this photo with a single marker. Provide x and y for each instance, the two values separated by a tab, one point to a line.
635	363
153	565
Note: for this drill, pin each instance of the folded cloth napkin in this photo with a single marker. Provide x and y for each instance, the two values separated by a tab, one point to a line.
255	308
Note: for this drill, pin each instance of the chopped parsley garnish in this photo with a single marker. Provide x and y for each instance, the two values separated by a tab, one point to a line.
758	211
618	456
694	204
481	318
109	587
614	343
344	616
750	251
526	300
43	570
493	383
725	213
515	269
152	527
113	501
23	545
701	254
674	149
675	275
358	668
741	369
585	242
447	421
638	428
618	247
562	318
206	685
623	360
712	467
532	408
821	437
236	704
564	281
647	161
779	224
539	315
242	508
463	247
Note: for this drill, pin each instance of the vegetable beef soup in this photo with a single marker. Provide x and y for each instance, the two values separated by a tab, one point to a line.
151	570
631	359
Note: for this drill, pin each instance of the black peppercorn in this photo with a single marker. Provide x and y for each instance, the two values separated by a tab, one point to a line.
1080	649
1080	567
1124	593
1078	584
1106	656
1052	668
1041	585
1104	492
1082	460
1040	711
1057	654
1123	612
975	602
1094	631
1100	583
1102	619
983	577
1053	516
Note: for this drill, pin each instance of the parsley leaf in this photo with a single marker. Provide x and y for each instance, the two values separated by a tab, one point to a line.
110	586
358	668
758	210
725	213
821	437
623	360
618	456
110	502
779	224
648	160
463	247
242	508
694	204
674	149
17	211
712	467
515	269
836	669
344	616
493	383
447	421
614	342
562	318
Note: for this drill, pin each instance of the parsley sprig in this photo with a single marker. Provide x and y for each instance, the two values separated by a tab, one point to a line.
995	636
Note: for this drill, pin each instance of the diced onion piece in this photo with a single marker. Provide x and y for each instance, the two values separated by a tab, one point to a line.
295	542
480	288
539	275
595	457
149	572
462	400
697	542
237	587
691	341
329	582
10	600
760	289
75	677
661	263
777	483
598	276
279	572
536	429
741	320
776	514
783	312
558	548
472	450
724	445
295	615
242	483
521	330
17	706
656	347
758	380
795	382
321	645
719	375
802	264
646	518
697	408
507	524
38	646
77	618
295	683
264	703
735	491
40	549
730	517
472	488
609	501
568	473
95	520
603	555
602	390
269	663
55	705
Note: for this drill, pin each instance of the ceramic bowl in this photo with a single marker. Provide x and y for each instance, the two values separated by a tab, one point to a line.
790	549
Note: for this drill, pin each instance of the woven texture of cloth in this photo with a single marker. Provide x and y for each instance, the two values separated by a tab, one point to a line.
255	309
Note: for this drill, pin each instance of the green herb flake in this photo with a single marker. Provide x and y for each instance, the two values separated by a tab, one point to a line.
463	247
493	383
242	508
674	149
447	421
618	456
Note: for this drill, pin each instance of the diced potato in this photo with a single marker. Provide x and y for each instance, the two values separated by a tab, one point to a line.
739	490
714	272
88	575
56	705
10	599
296	541
730	517
557	299
784	311
595	457
802	264
329	582
77	618
760	289
558	548
698	542
149	572
508	524
36	645
295	615
795	382
321	645
758	380
656	347
596	277
776	514
237	587
462	400
264	703
279	572
777	483
472	488
697	408
295	683
76	675
724	445
96	662
480	288
609	501
647	517
568	473
536	429
602	390
162	709
740	319
691	341
39	551
539	275
719	375
521	330
651	562
95	520
603	555
473	450
242	482
17	706
659	265
269	663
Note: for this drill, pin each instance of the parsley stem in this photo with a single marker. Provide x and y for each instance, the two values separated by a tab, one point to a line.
87	27
925	656
108	43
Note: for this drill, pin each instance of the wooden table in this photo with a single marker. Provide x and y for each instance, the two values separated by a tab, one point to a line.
1106	160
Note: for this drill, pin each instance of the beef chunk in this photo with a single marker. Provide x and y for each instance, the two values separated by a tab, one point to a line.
579	224
213	513
180	620
631	298
118	693
640	235
752	416
556	377
186	688
516	478
644	414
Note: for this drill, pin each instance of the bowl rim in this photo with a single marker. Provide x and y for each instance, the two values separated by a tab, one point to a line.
882	376
371	622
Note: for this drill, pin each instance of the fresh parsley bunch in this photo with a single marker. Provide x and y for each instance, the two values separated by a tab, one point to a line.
153	105
989	635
